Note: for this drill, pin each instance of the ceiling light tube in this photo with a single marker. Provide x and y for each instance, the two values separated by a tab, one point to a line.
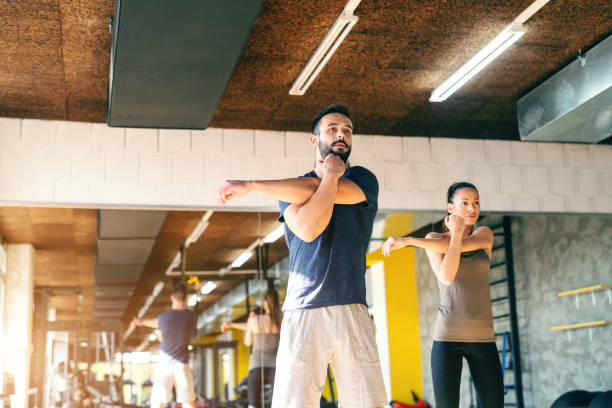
208	287
334	37
490	51
193	300
477	63
275	235
242	259
199	229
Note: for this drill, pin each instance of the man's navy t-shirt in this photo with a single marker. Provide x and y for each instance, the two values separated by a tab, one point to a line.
177	328
331	269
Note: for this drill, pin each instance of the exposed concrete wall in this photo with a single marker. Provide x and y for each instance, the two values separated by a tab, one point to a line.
551	254
73	164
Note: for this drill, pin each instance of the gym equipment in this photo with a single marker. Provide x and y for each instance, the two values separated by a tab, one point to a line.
603	400
574	399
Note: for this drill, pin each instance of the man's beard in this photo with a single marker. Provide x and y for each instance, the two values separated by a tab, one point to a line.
325	150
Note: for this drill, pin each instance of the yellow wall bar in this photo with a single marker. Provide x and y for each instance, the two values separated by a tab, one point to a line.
579	325
587	289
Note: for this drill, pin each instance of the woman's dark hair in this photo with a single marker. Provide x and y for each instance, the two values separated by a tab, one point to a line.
450	195
335	108
273	306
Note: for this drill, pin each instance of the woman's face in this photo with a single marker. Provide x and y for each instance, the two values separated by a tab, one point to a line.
466	203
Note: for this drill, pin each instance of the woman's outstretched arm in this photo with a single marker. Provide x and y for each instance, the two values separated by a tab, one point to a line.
481	238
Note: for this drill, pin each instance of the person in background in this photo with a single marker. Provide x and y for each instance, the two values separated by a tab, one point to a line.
177	327
262	332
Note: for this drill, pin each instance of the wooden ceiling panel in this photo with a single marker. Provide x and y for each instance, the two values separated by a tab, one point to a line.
64	242
54	216
31	77
86	42
56	56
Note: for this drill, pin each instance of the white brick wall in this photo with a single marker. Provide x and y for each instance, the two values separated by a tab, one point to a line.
269	143
239	142
498	152
473	151
141	140
10	132
297	146
107	138
174	141
388	148
208	142
92	165
525	153
445	151
416	149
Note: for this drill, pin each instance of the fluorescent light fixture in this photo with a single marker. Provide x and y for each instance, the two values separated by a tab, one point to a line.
242	259
276	234
2	260
199	229
485	56
158	288
152	337
193	300
208	287
334	37
477	63
176	262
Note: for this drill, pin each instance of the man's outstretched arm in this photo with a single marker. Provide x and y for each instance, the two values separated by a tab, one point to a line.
152	323
309	219
292	190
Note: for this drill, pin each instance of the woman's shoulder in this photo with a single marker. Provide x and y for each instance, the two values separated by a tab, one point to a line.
483	231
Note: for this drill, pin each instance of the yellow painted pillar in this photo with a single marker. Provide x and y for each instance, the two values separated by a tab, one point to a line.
402	312
19	281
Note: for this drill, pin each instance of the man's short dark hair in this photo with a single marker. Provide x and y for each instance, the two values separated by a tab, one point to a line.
179	291
335	108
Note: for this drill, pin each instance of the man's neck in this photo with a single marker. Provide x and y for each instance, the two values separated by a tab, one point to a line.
318	171
178	306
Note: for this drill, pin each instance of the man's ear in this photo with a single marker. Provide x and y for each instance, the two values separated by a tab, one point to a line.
314	140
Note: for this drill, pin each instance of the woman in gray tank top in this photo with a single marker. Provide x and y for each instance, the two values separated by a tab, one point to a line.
460	257
262	335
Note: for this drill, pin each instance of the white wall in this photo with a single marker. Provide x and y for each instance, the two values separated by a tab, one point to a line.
51	163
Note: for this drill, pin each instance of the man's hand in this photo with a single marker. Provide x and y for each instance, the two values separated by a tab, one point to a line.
225	326
332	166
232	189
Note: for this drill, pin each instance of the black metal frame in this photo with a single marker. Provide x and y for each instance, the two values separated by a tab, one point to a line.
514	329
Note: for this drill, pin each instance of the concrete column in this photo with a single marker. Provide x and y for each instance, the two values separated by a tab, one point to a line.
19	281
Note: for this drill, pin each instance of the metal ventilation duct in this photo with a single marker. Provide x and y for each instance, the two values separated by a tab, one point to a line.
575	104
125	241
171	60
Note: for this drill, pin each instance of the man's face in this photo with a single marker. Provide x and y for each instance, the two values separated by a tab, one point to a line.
335	136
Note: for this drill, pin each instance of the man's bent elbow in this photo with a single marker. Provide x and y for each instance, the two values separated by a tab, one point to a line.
308	235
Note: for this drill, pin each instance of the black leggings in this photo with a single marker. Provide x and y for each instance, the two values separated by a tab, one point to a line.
254	383
483	360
